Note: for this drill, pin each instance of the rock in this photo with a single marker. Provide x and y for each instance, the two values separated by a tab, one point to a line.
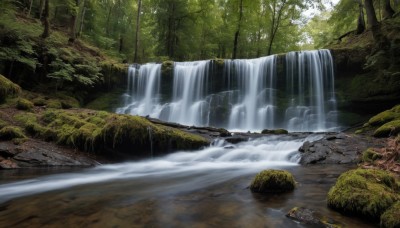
310	217
275	131
273	181
33	153
339	148
364	192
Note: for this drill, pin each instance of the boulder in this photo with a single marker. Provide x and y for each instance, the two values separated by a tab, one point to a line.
273	181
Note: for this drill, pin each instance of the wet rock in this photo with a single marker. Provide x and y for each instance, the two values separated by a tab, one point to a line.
335	148
40	154
309	217
275	131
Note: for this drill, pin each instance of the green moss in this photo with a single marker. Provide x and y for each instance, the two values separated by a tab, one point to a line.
391	217
11	132
102	131
383	118
3	123
388	129
39	101
275	131
370	155
362	192
23	104
52	103
273	181
8	88
219	62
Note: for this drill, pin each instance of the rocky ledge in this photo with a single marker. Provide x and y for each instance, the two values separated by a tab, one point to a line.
337	148
34	153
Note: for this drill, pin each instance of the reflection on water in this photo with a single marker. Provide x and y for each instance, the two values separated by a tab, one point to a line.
203	189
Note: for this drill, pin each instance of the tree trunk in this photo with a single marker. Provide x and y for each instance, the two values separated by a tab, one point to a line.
135	59
237	33
45	20
82	21
41	6
30	8
361	21
371	16
72	24
388	12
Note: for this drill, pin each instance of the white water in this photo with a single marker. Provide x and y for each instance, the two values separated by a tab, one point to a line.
250	94
221	158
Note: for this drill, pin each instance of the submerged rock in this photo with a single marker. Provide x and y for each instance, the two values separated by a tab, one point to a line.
273	181
312	218
364	192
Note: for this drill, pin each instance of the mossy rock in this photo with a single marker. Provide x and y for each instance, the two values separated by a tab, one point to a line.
8	88
39	101
273	181
388	129
383	118
105	132
391	217
364	192
275	132
23	104
370	155
11	132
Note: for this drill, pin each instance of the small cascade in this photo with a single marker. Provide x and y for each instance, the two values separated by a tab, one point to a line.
293	91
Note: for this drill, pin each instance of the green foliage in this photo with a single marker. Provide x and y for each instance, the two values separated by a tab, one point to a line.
391	217
271	181
7	88
11	132
363	192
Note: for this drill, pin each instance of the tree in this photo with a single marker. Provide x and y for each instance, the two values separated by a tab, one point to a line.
135	59
388	11
237	33
360	21
45	20
371	16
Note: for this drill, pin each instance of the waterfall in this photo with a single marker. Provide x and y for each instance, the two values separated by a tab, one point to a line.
293	91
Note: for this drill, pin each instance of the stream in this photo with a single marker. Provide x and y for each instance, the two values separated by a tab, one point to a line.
206	188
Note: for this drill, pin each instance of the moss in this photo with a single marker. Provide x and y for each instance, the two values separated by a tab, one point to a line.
362	192
11	132
275	131
8	88
273	181
370	155
23	104
391	217
219	62
3	123
383	118
388	129
102	131
52	103
39	101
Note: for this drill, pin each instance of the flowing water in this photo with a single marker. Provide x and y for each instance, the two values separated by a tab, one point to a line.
295	92
207	188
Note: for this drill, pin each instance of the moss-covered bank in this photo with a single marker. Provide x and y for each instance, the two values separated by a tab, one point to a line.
364	192
107	133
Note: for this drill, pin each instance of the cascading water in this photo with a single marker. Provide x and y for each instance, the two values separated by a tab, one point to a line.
295	92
